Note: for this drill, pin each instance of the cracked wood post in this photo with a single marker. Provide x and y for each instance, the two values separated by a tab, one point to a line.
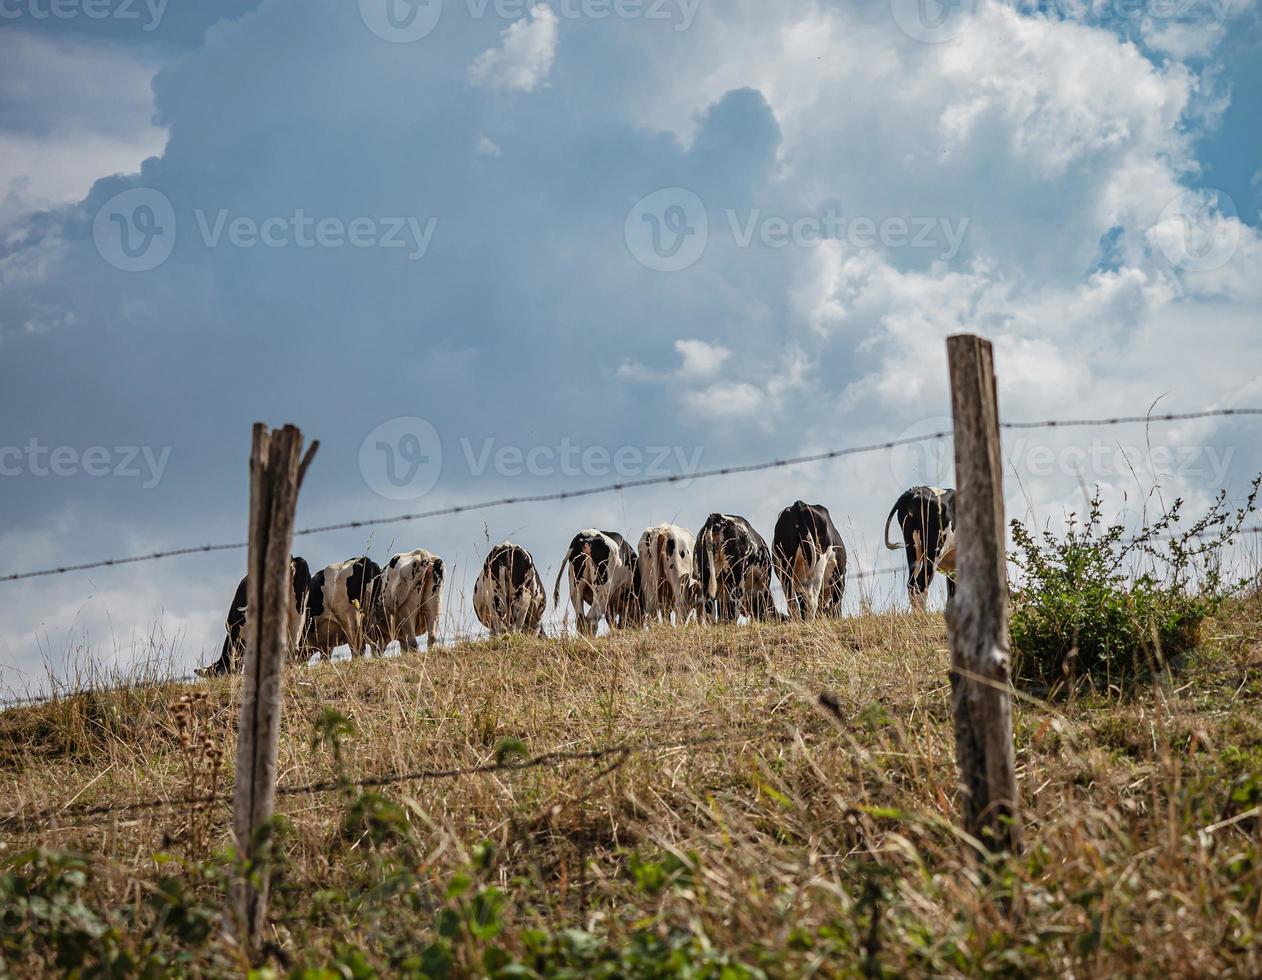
977	617
277	467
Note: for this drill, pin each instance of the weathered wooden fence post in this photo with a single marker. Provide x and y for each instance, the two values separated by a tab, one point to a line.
277	467
977	617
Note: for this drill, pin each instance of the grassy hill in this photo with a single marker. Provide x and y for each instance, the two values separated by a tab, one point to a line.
740	825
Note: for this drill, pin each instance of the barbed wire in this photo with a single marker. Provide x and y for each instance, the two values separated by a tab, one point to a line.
618	487
1127	419
131	560
501	502
22	819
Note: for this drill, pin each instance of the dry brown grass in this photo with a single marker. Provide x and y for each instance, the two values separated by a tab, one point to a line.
802	840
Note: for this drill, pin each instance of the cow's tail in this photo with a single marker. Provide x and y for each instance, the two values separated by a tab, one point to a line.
556	586
376	616
709	562
888	544
502	588
506	579
806	534
433	573
440	570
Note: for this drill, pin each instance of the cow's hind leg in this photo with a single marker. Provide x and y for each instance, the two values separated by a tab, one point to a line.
792	598
581	620
920	575
412	627
599	607
432	610
356	634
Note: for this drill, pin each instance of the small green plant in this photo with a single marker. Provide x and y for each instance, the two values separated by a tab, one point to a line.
330	730
49	924
43	918
1103	606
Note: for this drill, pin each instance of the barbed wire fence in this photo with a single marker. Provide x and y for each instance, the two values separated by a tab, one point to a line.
621	485
19	819
513	757
565	495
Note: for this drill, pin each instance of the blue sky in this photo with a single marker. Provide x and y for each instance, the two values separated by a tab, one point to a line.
709	228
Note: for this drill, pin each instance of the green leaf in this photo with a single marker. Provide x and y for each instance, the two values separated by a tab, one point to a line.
509	749
448	924
459	884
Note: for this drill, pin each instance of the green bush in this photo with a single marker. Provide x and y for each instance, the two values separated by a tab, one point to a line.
1099	605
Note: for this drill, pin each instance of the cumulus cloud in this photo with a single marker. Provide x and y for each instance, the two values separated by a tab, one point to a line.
524	57
71	112
725	400
701	360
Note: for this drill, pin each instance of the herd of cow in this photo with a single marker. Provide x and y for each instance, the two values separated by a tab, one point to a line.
725	572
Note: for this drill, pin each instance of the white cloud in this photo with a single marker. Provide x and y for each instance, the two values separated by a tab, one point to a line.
524	57
71	112
725	400
700	360
1182	41
1018	119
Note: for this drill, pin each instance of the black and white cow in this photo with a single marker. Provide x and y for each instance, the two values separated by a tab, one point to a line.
810	560
602	575
407	602
509	596
668	580
734	565
340	608
926	516
230	658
